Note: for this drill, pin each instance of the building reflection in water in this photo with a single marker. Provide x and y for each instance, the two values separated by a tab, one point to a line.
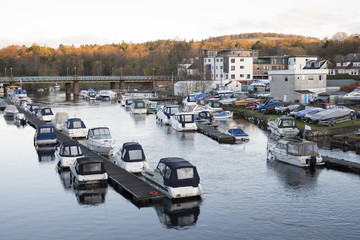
178	214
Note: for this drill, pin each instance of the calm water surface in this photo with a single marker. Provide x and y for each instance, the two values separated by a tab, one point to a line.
245	197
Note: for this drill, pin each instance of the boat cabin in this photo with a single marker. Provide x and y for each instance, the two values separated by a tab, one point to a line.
298	147
139	104
75	123
70	149
88	170
170	110
132	152
285	122
45	135
177	172
99	133
215	104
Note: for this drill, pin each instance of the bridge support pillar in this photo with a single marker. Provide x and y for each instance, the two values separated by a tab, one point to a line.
68	89
76	88
113	86
122	85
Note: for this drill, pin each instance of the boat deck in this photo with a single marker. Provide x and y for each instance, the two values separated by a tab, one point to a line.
215	134
123	181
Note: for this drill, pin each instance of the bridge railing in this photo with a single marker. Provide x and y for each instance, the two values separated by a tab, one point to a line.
85	78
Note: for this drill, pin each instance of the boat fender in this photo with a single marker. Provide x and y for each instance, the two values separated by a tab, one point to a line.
153	193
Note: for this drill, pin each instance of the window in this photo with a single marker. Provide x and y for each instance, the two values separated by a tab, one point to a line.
232	68
216	75
273	67
209	60
241	67
241	75
320	77
241	59
185	173
217	60
286	79
135	155
221	60
216	67
232	76
77	124
226	76
247	76
233	60
310	77
221	67
92	167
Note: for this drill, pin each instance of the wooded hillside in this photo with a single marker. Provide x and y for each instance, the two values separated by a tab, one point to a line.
160	57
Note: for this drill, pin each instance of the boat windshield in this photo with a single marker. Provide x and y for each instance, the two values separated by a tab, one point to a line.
185	173
303	149
186	118
77	124
72	151
101	133
288	123
135	155
92	167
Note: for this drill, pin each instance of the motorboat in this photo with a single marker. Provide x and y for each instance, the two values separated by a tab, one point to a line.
243	102
153	107
75	128
295	151
283	126
123	99
216	105
268	107
45	135
238	133
67	152
131	157
163	116
83	93
308	115
286	108
45	114
59	120
199	108
32	107
100	140
175	177
128	103
223	115
88	170
107	95
138	107
189	100
353	96
183	121
332	116
20	119
301	114
91	95
139	94
298	109
10	111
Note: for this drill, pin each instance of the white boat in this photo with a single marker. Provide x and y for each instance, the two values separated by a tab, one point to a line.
3	104
107	95
131	157
199	108
238	133
295	151
138	107
123	99
332	116
45	135
163	116
83	93
10	111
283	126
128	103
100	140
88	170
59	120
74	128
223	115
20	119
67	153
353	96
45	114
91	95
175	177
153	107
183	122
190	100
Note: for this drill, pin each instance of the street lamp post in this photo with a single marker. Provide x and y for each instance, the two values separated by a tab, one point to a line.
10	72
75	71
172	81
154	78
120	73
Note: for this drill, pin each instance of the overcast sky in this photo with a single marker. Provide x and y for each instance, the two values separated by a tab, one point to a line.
77	22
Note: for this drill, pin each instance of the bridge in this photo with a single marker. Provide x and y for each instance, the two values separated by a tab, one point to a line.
75	80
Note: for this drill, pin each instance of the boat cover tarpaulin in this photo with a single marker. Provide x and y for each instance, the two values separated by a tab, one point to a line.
132	152
88	166
75	123
45	132
174	180
237	132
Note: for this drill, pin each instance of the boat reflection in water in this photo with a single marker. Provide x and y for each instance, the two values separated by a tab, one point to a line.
293	176
90	195
178	214
65	178
45	154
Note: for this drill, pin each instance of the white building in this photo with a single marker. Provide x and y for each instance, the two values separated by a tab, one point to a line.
301	82
229	65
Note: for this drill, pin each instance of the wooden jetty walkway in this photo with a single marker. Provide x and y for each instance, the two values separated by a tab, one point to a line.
341	164
215	134
122	180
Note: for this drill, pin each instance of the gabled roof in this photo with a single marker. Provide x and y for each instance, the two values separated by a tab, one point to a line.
315	64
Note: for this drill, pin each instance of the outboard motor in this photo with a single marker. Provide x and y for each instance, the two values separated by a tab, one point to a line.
312	162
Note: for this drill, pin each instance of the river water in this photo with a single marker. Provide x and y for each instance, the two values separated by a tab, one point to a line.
244	196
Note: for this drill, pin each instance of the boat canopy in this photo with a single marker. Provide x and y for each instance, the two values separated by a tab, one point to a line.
178	172
301	147
132	152
33	107
99	133
185	118
237	132
46	111
75	123
45	132
139	104
70	149
88	166
286	122
170	110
